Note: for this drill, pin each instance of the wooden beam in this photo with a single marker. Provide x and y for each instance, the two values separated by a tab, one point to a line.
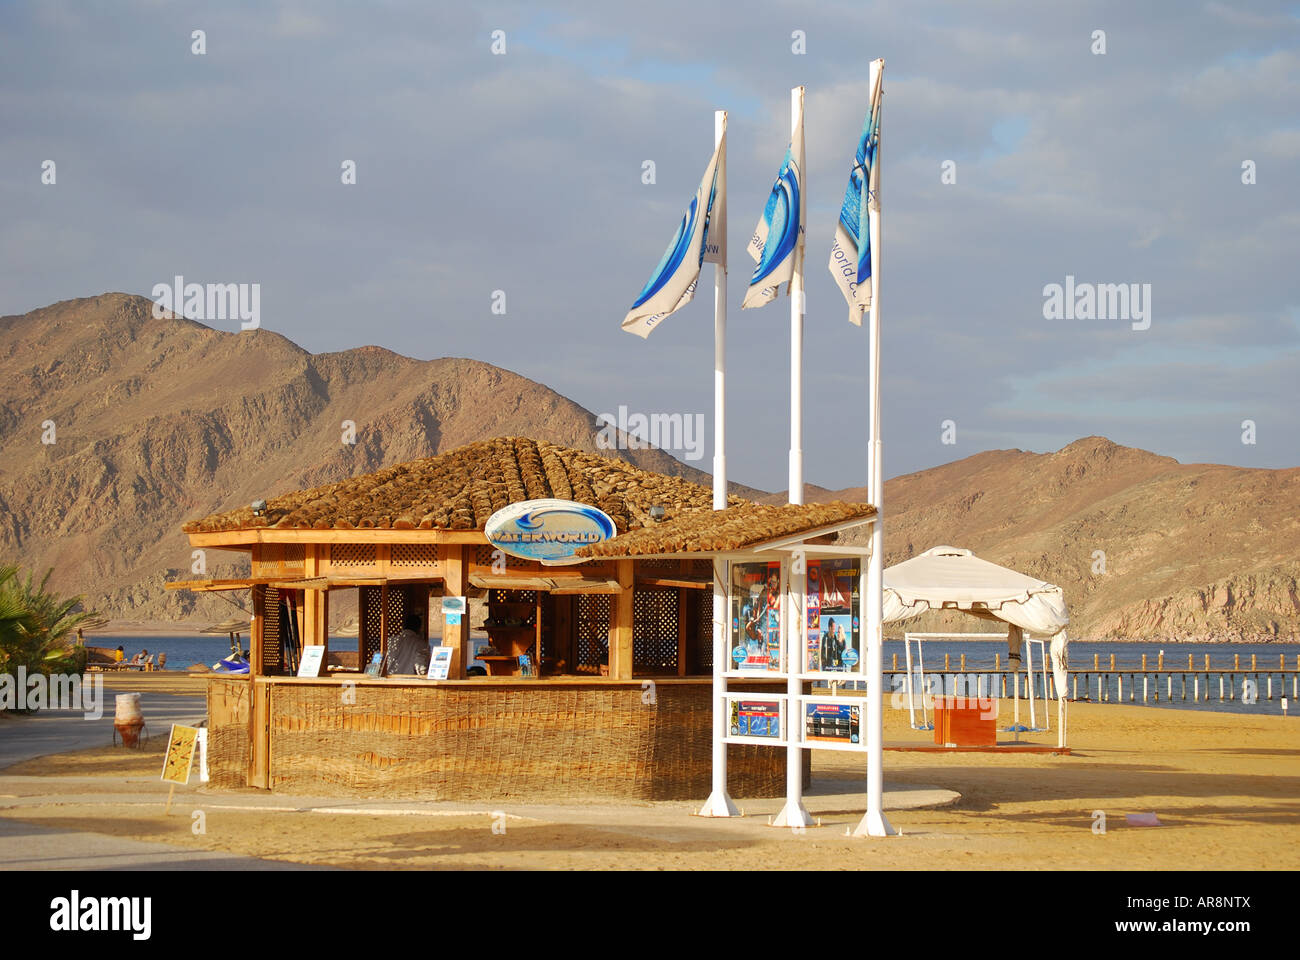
247	538
620	624
688	583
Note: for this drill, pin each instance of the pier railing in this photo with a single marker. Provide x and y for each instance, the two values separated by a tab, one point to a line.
1153	679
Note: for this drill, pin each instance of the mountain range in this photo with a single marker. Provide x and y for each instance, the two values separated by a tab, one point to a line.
116	426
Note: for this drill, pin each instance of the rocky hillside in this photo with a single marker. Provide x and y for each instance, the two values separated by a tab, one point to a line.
1143	545
158	421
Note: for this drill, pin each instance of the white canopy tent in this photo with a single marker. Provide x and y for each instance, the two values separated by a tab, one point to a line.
949	578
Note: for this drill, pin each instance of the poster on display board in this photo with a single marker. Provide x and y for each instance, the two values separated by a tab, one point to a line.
834	616
754	719
830	721
756	616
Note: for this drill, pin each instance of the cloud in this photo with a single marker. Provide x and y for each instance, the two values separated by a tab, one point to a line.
523	173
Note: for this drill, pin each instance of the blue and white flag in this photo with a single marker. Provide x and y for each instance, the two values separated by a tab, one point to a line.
851	251
702	231
778	242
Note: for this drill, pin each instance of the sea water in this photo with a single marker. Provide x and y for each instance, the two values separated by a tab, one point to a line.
1128	660
182	651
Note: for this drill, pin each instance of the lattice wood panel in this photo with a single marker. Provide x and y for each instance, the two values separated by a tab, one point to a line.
654	628
280	560
593	631
353	555
659	563
272	638
704	629
413	555
369	620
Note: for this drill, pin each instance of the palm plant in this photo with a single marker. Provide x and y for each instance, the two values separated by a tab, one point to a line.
36	626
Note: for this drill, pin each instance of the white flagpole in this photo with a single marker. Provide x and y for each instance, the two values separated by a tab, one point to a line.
794	814
719	803
796	330
874	822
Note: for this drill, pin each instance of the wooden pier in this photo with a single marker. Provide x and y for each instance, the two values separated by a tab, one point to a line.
1150	681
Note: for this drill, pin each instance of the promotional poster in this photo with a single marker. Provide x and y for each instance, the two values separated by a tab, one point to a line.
834	616
755	718
756	616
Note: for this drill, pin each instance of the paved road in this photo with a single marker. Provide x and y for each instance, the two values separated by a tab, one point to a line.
25	846
58	731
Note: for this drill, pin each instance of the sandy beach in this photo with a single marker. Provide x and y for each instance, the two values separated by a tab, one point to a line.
1226	789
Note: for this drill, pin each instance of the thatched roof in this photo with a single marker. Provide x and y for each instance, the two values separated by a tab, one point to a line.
460	489
740	526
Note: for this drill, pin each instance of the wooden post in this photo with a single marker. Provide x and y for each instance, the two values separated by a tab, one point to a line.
315	606
383	629
259	713
455	581
1144	661
895	665
257	631
1252	661
1160	660
963	662
947	664
1189	661
997	661
681	631
1112	661
1236	661
1075	678
620	624
1096	661
1207	662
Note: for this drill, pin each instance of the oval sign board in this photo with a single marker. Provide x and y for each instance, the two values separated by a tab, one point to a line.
547	529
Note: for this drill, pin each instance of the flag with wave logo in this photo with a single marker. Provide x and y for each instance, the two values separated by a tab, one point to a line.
850	263
701	235
778	242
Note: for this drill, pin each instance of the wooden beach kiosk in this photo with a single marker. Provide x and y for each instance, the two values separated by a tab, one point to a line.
621	706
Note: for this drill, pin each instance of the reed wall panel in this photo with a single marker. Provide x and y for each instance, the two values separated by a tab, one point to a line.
229	747
543	742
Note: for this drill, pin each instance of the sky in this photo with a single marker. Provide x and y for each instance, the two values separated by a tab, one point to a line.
1020	146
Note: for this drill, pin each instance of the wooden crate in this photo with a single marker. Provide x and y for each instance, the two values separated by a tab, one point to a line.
965	722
